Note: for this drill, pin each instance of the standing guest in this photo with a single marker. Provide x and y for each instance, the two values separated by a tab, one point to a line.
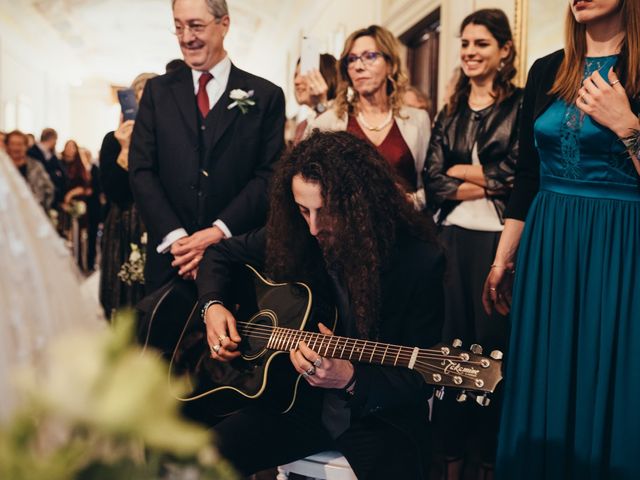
203	147
123	225
469	175
45	152
574	222
94	207
369	104
338	221
74	205
315	89
32	170
31	139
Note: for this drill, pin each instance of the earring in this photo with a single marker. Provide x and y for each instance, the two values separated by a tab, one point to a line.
350	94
501	66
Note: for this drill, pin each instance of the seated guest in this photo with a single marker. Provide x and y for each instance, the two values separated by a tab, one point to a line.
123	225
339	222
32	171
45	152
316	89
369	104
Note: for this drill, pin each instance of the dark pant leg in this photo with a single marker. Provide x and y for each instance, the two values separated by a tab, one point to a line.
377	450
469	257
255	439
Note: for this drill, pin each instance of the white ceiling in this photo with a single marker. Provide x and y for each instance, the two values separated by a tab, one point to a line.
115	40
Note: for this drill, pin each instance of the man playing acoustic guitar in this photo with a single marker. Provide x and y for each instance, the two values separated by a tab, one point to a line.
340	223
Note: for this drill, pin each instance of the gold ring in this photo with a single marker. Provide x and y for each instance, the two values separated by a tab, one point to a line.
614	82
222	337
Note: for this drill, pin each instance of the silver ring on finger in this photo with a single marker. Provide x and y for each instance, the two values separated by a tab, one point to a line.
215	348
317	362
305	375
311	370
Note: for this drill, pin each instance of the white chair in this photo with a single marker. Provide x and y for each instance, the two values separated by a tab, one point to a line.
324	465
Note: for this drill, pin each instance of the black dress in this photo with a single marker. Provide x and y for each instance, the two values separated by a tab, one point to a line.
122	227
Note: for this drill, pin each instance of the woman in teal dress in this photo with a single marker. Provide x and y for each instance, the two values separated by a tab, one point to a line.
573	237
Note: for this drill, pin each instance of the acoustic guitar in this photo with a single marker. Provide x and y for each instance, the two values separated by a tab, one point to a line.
285	314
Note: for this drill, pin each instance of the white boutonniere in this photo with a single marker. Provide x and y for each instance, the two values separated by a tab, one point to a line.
242	100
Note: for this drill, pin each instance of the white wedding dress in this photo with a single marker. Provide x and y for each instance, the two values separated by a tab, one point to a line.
40	288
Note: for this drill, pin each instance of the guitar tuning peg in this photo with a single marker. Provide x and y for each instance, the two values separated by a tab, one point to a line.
496	354
475	348
439	393
483	400
457	342
462	396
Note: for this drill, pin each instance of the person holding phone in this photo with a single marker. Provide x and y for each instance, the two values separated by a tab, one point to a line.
572	236
315	88
123	225
369	104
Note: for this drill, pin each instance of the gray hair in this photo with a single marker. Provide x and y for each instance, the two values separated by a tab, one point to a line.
217	8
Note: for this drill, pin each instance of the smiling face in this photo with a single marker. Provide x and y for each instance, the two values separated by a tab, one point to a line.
301	87
17	148
201	51
308	198
588	11
480	54
371	78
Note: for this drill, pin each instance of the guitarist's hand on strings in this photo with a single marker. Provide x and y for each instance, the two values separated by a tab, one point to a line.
222	334
319	371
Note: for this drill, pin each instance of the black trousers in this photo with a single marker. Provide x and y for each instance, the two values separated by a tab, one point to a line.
255	439
465	427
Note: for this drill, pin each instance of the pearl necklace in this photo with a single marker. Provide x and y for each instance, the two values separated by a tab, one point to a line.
386	122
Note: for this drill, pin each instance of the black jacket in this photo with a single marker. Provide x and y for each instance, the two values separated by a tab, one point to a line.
55	171
452	139
411	314
536	100
187	172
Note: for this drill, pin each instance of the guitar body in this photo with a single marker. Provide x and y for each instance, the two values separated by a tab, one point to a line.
219	388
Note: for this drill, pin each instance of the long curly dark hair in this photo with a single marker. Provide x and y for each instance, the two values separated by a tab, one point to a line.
368	208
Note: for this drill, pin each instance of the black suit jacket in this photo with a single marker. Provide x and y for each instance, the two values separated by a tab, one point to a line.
187	172
411	314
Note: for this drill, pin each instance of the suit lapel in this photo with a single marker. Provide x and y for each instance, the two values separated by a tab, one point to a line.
221	117
182	90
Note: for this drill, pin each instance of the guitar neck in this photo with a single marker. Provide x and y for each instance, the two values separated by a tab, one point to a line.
332	346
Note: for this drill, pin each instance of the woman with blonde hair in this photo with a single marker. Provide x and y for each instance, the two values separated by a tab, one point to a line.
123	225
573	237
369	104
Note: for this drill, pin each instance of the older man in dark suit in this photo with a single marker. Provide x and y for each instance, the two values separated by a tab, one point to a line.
203	147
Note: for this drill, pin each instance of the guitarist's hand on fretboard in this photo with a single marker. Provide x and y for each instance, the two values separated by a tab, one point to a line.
319	371
222	335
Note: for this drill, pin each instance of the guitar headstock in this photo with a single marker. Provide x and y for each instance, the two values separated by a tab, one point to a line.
451	366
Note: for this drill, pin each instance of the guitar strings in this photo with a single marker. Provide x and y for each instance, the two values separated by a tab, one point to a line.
290	333
287	336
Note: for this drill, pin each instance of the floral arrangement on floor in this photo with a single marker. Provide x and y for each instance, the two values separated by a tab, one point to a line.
132	271
102	409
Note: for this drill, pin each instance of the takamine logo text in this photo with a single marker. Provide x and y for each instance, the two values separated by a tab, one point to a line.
452	367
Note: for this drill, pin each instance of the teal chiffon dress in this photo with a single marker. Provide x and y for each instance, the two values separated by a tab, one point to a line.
572	391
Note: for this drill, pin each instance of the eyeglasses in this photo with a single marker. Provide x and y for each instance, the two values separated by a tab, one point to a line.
196	28
367	59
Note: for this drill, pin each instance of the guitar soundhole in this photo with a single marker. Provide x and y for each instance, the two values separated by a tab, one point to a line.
255	335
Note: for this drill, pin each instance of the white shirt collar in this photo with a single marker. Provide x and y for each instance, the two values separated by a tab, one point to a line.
220	72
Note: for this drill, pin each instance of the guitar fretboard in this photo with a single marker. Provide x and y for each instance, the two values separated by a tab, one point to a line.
332	346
